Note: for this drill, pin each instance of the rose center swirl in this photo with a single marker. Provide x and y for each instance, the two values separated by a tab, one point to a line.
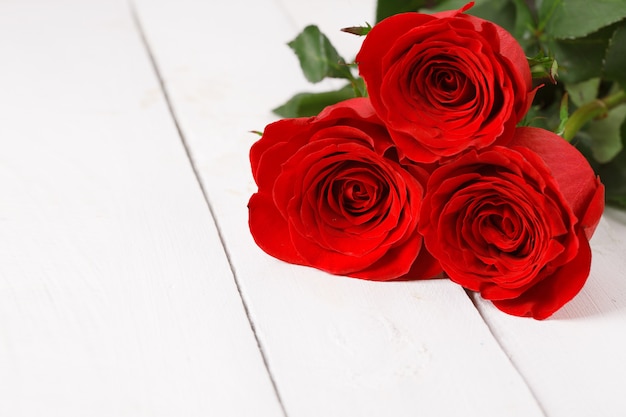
441	82
355	195
355	192
450	86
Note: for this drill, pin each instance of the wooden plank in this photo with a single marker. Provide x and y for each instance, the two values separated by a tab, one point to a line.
335	346
116	297
575	361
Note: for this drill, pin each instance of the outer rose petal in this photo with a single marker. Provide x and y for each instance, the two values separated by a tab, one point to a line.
388	30
280	132
577	181
333	195
549	295
266	221
591	218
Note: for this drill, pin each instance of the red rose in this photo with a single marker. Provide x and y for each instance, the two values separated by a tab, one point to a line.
332	195
514	222
445	82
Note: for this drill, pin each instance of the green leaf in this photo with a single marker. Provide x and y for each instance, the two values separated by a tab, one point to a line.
606	141
358	30
584	92
568	19
583	58
524	23
613	175
563	114
318	58
615	61
310	104
386	8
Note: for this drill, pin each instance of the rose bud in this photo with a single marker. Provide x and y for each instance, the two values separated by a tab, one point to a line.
332	195
513	222
445	82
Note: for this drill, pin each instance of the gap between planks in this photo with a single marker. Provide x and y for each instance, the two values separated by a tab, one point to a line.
472	298
170	108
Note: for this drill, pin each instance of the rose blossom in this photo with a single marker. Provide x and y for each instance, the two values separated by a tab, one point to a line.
332	195
514	222
445	82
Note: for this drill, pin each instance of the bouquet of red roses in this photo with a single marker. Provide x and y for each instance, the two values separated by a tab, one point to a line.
429	173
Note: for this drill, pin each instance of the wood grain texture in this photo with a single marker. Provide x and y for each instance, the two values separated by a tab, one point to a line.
116	297
335	346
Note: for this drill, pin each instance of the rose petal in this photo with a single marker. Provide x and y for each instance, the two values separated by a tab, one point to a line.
268	228
553	292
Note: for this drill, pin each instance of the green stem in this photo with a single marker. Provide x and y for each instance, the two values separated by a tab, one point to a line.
355	88
594	109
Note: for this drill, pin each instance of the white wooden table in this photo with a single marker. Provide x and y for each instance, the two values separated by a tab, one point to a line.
129	283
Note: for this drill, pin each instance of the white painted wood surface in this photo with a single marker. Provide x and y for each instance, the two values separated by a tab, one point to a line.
116	297
116	294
